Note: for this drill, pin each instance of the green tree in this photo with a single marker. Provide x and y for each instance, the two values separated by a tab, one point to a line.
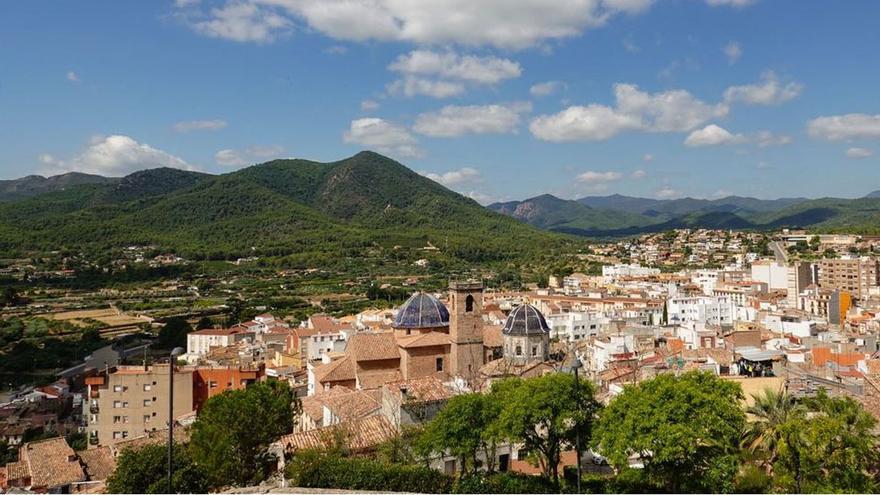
231	436
173	334
204	322
143	470
685	429
546	413
765	434
465	427
834	449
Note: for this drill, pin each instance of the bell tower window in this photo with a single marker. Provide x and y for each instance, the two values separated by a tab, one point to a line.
469	304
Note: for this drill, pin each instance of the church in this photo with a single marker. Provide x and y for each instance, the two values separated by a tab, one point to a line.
430	340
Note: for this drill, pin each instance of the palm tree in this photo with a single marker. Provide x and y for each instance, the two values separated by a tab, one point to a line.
764	432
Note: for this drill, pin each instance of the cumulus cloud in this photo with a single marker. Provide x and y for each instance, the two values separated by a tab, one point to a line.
843	127
114	156
369	105
668	111
452	121
443	74
498	23
385	137
200	125
733	52
667	192
765	139
480	197
638	174
72	76
857	153
593	177
244	21
456	177
414	86
770	91
712	135
247	156
647	157
545	88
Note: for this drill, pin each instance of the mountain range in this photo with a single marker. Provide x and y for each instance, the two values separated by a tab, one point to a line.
303	209
624	215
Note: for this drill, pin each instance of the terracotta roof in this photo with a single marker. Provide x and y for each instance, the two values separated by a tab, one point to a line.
52	463
492	336
17	471
373	346
351	405
425	389
326	324
428	339
99	463
338	371
181	435
313	405
822	355
362	434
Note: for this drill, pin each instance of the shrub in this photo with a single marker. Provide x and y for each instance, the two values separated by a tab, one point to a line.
315	469
503	483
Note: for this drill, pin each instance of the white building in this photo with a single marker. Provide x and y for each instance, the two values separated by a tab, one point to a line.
200	343
706	310
634	270
575	326
772	273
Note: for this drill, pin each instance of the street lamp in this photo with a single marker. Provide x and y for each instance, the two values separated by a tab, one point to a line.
577	431
172	359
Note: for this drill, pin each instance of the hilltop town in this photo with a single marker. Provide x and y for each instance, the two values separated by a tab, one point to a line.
790	312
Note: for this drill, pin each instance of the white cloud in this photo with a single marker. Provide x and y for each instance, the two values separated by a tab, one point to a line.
712	135
240	20
414	86
452	121
248	156
765	139
647	157
545	88
72	76
730	3
733	52
456	177
115	156
667	192
369	105
842	127
638	174
480	197
450	65
668	111
200	125
630	45
336	50
384	136
499	23
185	3
857	153
768	92
593	177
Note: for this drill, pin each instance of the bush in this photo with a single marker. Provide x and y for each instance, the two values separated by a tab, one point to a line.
503	483
316	469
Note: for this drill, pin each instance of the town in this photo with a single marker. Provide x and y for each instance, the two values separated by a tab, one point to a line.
789	314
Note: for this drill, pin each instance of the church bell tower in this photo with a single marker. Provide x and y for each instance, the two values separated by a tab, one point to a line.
466	328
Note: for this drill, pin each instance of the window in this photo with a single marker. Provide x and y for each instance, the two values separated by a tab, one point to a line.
117	419
120	434
212	384
469	304
148	387
119	388
147	418
148	403
117	404
439	364
534	350
519	350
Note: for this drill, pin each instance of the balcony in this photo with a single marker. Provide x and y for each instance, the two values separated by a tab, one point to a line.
93	408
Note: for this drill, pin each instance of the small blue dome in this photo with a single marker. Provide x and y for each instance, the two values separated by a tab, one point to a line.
525	320
422	311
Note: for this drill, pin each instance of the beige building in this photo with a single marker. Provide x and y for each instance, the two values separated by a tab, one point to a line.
858	276
800	275
129	401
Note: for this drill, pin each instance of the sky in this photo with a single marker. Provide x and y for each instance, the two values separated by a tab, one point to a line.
497	99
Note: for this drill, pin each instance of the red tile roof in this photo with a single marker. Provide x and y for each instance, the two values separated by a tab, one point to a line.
373	346
359	435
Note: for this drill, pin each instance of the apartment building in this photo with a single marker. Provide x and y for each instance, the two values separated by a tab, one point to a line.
799	276
128	401
858	276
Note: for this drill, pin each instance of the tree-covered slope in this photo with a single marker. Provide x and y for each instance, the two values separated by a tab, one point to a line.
34	185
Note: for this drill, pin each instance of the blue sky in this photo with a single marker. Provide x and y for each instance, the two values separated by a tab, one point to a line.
497	99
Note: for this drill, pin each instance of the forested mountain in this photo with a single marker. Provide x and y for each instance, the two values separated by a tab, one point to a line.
283	207
33	185
624	215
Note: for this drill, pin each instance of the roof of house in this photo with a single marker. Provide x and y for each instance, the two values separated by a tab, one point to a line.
313	405
492	336
373	346
359	435
99	463
424	389
52	463
822	355
428	339
352	405
341	370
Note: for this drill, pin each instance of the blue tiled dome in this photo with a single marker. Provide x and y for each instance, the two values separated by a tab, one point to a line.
422	311
525	320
